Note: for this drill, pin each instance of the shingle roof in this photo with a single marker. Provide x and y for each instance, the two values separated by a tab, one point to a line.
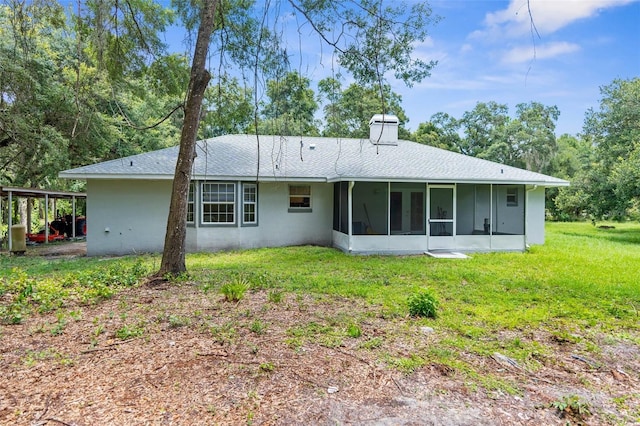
313	159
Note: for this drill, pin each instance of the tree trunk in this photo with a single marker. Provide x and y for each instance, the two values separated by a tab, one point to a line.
173	256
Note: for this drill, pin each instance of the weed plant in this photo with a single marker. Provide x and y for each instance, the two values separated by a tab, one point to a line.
28	291
234	291
422	304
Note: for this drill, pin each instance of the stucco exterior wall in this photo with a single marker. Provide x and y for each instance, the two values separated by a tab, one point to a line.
129	216
126	216
508	219
277	226
535	215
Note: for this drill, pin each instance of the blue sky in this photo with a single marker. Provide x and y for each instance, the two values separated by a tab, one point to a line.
485	52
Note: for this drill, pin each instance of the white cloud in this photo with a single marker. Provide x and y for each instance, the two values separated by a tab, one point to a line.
466	48
548	16
546	51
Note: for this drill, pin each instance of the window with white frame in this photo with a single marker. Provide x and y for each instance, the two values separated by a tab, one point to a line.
218	202
299	197
512	197
249	203
191	203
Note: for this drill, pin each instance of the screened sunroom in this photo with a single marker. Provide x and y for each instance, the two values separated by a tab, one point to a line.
411	217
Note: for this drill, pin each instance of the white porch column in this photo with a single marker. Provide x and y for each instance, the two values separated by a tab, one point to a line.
350	212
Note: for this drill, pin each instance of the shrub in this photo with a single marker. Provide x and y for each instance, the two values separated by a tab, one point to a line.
572	406
234	291
422	304
353	330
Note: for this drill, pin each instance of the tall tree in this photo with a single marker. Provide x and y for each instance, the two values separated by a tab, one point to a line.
484	131
290	107
228	108
58	107
614	130
574	156
375	41
173	256
535	139
440	131
347	112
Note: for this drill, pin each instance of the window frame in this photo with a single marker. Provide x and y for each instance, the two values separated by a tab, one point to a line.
512	197
300	209
191	203
246	203
232	203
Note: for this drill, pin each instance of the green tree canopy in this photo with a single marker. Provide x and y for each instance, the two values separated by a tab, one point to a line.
614	130
290	107
347	112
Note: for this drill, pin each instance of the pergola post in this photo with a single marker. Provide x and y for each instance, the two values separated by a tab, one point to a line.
73	217
46	218
10	220
42	196
29	215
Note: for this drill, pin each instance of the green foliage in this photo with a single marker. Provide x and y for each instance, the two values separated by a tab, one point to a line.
32	358
229	108
407	365
267	367
129	331
572	406
28	292
354	330
291	107
614	131
234	291
177	321
258	327
522	305
422	304
373	343
275	296
59	107
347	111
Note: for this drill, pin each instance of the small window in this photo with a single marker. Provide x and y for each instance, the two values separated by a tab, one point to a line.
249	203
512	197
191	203
218	203
300	197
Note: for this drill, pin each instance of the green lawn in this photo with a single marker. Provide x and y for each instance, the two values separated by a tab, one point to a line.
583	282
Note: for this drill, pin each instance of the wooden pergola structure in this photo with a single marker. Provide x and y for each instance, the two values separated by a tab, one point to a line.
8	193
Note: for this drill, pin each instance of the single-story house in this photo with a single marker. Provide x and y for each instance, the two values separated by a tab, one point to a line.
375	195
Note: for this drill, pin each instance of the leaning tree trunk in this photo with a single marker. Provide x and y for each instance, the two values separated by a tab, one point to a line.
173	256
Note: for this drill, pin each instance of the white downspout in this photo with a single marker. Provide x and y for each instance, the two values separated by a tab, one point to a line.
526	215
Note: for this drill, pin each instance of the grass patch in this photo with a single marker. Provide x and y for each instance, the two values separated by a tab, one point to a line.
29	287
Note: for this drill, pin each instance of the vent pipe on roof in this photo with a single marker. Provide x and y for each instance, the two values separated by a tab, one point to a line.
383	129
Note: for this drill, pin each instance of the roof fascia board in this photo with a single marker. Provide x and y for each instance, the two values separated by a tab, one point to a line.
451	181
114	176
21	192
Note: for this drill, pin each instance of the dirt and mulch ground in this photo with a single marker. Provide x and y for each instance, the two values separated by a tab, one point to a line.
176	355
58	249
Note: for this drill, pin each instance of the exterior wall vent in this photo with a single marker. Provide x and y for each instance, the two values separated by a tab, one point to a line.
383	129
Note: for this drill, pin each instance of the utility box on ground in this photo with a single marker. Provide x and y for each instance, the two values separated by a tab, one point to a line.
18	239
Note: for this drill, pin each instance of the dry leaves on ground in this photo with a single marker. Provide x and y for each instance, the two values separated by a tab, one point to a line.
175	355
